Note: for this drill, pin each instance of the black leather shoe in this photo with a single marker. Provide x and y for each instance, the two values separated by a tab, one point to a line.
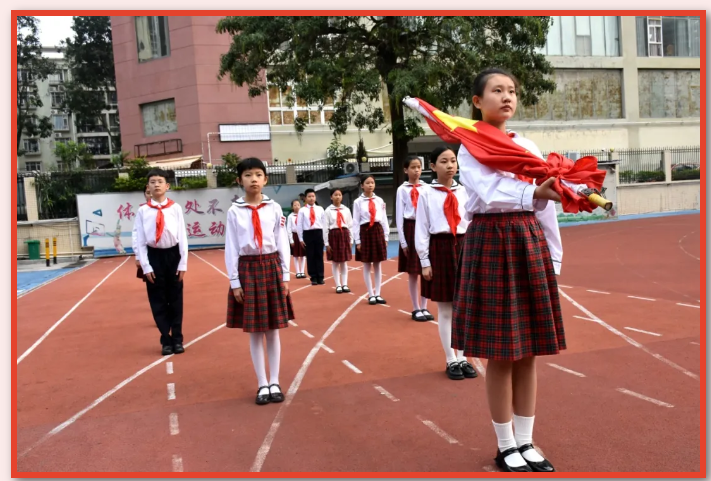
275	397
540	466
263	398
321	282
501	463
346	289
418	316
167	350
380	300
468	370
339	290
428	315
178	349
372	301
454	371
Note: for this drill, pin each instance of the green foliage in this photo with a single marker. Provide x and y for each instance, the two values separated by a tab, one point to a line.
688	174
361	153
137	177
32	67
353	60
227	172
74	155
187	183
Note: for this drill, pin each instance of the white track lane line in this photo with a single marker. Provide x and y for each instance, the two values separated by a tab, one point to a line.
56	324
646	398
177	464
327	349
307	334
439	431
642	298
597	292
169	367
352	367
171	391
688	305
174	427
385	393
565	369
643	332
627	338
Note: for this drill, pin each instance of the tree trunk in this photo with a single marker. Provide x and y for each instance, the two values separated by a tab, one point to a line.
400	149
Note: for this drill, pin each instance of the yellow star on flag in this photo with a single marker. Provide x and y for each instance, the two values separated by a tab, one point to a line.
454	122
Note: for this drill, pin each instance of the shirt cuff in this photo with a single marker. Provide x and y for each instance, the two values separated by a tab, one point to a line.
147	269
527	197
286	277
235	284
556	267
183	266
403	244
425	262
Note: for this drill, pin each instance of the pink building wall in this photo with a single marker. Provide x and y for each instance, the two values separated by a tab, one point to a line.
189	75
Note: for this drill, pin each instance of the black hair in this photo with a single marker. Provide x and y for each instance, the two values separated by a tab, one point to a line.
146	187
435	154
248	164
366	177
333	191
480	82
296	200
309	191
157	173
409	159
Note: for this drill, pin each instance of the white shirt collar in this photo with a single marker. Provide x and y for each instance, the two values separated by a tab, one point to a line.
243	203
435	183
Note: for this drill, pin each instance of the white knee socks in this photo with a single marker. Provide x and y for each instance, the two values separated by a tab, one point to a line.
335	268
378	274
444	319
414	296
256	347
344	273
366	277
274	353
301	264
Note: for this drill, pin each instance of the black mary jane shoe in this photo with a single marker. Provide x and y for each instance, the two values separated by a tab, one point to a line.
468	370
263	398
427	314
339	290
275	397
372	300
346	289
537	466
454	371
501	463
418	316
380	300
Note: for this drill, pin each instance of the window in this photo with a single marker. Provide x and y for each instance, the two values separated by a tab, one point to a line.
97	145
669	93
244	132
280	113
60	122
584	36
113	121
159	118
57	99
32	166
31	146
580	95
61	140
113	98
58	77
668	36
87	126
152	38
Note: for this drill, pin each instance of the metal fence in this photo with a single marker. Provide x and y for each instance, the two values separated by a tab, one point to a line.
686	163
641	165
21	201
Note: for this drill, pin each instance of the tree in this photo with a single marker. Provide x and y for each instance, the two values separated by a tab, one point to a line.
32	67
353	59
73	155
90	57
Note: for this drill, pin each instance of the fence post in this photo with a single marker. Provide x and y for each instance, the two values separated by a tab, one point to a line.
211	177
290	174
615	157
31	199
666	160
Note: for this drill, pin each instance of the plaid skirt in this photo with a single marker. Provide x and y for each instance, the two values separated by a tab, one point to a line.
444	258
340	242
373	247
409	263
507	306
297	250
266	305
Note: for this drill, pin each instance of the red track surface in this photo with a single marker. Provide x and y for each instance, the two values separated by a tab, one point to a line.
338	421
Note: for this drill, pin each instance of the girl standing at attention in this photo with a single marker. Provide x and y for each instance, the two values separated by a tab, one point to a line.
297	250
507	308
439	233
337	237
257	259
371	236
406	208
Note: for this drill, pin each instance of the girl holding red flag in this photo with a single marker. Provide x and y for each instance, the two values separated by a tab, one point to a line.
162	243
297	250
405	210
371	236
439	233
337	237
257	260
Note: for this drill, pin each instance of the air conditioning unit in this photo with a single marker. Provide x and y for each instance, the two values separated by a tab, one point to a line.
351	149
351	168
57	135
573	155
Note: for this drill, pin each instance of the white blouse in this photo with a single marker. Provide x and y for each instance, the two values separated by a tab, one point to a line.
361	215
174	232
431	219
404	208
240	241
305	219
330	221
495	191
291	226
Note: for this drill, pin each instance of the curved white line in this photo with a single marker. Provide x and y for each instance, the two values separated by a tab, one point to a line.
682	247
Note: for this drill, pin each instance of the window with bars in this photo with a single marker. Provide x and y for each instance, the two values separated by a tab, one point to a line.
97	145
668	36
33	166
31	146
152	38
584	36
57	99
60	122
280	113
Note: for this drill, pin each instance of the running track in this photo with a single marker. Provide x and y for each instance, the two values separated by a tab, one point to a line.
625	396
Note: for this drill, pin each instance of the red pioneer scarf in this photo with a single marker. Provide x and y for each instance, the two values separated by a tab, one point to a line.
451	209
257	224
414	194
339	218
160	218
312	215
493	148
371	211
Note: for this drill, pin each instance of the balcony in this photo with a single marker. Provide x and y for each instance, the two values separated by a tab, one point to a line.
153	149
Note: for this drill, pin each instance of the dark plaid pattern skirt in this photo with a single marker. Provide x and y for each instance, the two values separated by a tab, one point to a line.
409	263
444	258
340	242
507	306
373	247
266	305
297	250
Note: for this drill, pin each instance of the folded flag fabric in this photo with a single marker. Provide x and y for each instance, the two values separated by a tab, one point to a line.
493	148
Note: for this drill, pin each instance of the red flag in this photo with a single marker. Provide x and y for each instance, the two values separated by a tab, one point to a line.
493	148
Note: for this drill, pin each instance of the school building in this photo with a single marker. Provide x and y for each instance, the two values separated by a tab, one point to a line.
622	82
